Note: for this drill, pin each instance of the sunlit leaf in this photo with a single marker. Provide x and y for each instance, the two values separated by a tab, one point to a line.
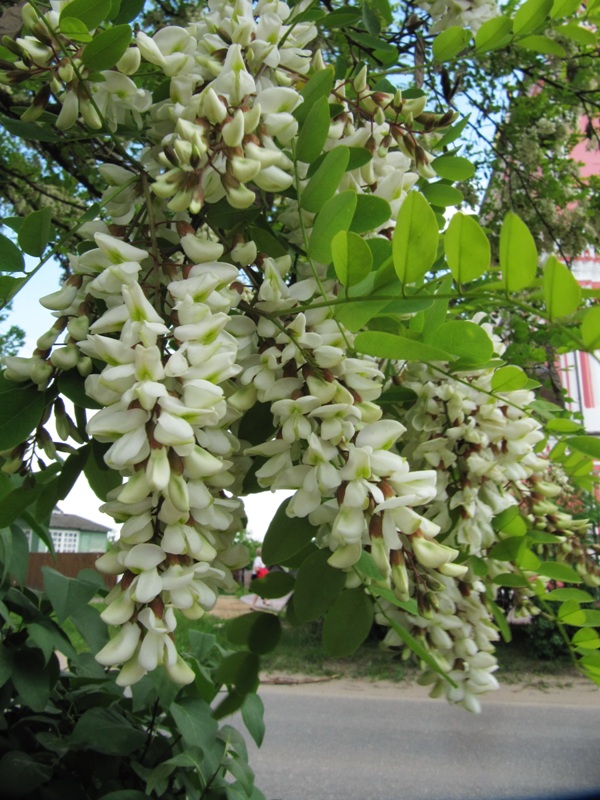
352	258
450	43
562	292
388	345
453	168
415	239
493	34
518	254
531	15
467	248
336	215
90	12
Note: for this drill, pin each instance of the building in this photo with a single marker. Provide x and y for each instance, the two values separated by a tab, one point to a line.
71	534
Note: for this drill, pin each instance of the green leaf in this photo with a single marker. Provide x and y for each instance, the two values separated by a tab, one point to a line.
314	132
590	328
518	254
464	340
560	425
562	292
21	409
508	549
253	710
511	580
66	595
453	168
577	33
499	617
11	258
367	567
29	130
129	10
442	195
579	595
340	18
35	232
21	775
347	623
336	215
75	29
90	12
9	287
450	43
100	478
105	730
559	572
275	584
359	156
588	445
453	133
410	606
371	212
415	239
194	722
32	679
72	385
564	8
259	632
324	183
467	248
493	34
240	670
510	522
388	345
418	649
542	44
352	259
285	536
531	15
107	48
320	85
317	586
18	501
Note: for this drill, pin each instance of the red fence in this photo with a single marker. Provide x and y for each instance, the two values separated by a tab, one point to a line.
69	564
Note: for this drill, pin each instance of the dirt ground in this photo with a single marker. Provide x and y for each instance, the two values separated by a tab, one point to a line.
531	689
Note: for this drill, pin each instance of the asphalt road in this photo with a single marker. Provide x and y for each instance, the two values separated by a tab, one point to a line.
330	745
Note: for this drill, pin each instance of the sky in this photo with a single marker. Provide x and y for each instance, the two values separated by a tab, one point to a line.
35	320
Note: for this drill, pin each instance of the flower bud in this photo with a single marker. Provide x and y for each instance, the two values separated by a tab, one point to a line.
129	62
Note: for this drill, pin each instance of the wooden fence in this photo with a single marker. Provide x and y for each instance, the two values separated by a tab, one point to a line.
69	564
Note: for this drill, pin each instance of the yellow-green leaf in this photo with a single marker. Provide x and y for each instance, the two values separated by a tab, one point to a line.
531	15
352	257
493	34
562	293
518	254
542	44
467	248
590	328
415	240
450	43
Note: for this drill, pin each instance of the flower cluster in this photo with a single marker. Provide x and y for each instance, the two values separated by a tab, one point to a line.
464	13
180	323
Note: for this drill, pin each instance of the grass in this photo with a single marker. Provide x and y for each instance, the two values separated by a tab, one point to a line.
300	652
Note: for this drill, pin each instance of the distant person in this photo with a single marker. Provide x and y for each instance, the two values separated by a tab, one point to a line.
258	565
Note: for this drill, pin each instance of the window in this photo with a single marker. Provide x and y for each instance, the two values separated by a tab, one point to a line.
65	541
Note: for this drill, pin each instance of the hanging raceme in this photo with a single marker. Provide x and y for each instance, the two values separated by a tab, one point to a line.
260	195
